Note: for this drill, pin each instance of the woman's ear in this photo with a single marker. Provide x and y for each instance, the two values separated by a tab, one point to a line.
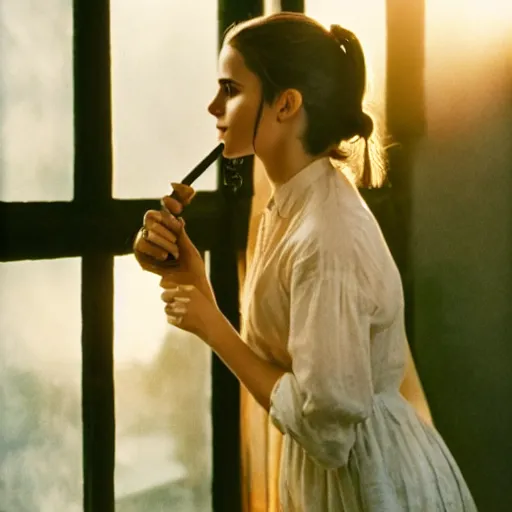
288	104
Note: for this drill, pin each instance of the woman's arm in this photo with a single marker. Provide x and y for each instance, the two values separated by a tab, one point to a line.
256	374
260	377
188	307
320	412
412	390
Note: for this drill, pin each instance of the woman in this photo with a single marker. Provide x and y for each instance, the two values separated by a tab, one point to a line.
323	349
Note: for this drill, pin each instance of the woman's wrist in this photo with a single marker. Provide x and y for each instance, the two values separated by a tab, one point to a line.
203	284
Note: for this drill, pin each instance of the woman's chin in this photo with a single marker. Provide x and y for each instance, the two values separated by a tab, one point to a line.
231	152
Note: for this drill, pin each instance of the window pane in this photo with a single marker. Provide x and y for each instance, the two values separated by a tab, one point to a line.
367	19
163	421
36	100
40	379
164	60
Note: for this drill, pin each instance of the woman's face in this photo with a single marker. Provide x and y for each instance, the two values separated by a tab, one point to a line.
236	103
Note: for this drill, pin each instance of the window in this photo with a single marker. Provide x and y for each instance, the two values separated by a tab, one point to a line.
164	74
70	206
36	101
163	393
40	425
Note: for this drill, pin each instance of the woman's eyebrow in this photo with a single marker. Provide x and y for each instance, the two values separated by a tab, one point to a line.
229	81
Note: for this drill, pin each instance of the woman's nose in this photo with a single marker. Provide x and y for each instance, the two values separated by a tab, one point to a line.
215	107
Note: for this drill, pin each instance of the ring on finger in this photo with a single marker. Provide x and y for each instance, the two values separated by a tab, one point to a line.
144	233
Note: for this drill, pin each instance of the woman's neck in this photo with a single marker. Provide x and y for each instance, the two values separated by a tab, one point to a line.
284	163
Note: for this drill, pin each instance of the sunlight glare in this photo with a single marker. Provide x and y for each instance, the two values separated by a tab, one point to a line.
367	19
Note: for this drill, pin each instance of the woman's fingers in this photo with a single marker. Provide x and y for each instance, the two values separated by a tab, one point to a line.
177	298
174	315
162	217
148	248
183	195
178	293
160	236
159	232
172	205
174	320
163	232
156	239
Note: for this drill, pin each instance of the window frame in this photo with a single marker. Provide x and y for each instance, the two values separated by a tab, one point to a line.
97	227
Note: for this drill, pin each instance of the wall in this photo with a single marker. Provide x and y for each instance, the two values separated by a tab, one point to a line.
462	245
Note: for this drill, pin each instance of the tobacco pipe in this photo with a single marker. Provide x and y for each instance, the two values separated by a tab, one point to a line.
232	179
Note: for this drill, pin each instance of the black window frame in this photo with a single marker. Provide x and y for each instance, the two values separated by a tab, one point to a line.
97	227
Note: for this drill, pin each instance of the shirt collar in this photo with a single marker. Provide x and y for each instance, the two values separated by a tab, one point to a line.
286	195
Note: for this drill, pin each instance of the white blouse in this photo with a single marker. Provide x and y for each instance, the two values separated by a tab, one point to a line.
323	299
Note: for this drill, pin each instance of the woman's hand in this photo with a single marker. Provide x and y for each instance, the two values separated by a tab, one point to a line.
188	308
163	234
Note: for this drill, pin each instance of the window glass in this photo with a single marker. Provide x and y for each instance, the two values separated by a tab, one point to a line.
36	100
40	380
163	420
164	75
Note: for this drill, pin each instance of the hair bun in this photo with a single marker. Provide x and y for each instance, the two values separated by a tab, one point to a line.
365	126
343	36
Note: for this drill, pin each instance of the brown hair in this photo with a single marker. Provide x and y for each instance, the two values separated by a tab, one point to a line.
292	51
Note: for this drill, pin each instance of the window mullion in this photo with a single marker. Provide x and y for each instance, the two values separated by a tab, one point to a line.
92	103
98	382
233	227
92	195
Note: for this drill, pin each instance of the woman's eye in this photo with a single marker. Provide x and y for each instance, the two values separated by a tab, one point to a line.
227	89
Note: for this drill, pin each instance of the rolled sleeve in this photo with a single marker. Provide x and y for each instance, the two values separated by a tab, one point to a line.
329	390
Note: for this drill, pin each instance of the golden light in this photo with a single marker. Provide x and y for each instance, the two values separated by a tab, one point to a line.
367	19
489	19
468	52
468	49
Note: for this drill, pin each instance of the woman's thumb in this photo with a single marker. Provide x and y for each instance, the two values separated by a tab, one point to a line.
185	192
184	240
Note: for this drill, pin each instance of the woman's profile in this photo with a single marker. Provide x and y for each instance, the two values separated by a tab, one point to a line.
323	348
